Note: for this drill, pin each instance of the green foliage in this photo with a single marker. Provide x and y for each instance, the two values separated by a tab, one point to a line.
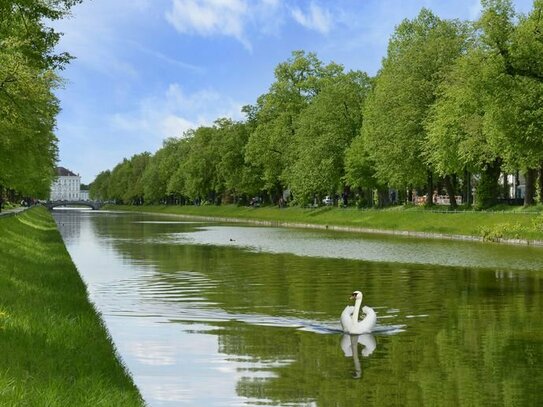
420	54
500	231
324	130
515	118
487	190
28	106
359	167
537	223
199	166
125	183
237	176
456	137
271	145
100	186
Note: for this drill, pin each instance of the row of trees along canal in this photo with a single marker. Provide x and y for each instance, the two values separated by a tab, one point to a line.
29	69
454	101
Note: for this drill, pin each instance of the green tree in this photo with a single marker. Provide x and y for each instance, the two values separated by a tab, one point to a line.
238	179
119	181
199	167
457	138
360	171
160	179
516	116
271	143
324	130
154	187
99	188
420	53
135	188
28	107
177	155
488	113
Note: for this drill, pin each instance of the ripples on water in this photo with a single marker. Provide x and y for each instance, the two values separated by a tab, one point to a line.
180	300
228	315
361	247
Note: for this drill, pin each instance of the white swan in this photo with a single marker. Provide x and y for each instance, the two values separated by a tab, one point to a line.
349	317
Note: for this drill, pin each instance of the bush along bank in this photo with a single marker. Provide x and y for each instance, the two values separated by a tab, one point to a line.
55	350
513	226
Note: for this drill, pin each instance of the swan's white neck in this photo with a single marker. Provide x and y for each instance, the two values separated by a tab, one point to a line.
356	311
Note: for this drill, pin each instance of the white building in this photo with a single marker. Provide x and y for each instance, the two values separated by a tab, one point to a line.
66	187
516	184
83	195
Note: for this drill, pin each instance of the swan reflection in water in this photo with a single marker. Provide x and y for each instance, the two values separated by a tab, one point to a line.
349	345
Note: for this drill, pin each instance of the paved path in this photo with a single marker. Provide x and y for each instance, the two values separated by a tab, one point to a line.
13	211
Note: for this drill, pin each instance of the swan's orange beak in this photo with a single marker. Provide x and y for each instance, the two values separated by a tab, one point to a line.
353	296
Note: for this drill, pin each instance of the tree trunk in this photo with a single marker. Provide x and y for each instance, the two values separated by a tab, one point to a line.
409	195
467	188
449	186
11	195
505	186
529	192
402	196
430	195
540	182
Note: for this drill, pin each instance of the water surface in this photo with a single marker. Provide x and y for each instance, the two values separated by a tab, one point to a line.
224	315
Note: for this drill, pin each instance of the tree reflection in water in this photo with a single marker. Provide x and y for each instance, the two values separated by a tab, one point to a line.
472	334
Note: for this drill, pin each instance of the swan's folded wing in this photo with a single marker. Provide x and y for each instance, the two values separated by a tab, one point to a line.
346	317
349	310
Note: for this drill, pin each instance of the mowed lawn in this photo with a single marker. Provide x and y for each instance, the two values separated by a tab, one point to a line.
54	349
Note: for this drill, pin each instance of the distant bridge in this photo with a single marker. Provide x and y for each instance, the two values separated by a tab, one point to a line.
91	204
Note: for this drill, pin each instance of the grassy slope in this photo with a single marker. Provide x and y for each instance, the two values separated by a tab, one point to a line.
54	349
515	223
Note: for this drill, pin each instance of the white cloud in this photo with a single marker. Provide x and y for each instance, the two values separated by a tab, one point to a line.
165	58
210	17
92	34
316	18
101	35
230	18
152	352
173	113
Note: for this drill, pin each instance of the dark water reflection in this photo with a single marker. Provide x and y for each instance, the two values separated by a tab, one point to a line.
208	314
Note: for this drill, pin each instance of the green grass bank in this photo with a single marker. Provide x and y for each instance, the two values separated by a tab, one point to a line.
55	350
513	225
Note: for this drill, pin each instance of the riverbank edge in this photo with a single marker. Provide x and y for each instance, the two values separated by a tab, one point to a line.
104	369
334	227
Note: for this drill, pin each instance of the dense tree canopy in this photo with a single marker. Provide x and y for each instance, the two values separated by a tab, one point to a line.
454	105
28	108
324	130
271	144
420	53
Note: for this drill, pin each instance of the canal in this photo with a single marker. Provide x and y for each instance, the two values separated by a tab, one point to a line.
237	315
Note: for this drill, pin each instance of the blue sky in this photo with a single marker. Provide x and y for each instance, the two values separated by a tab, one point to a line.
151	69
